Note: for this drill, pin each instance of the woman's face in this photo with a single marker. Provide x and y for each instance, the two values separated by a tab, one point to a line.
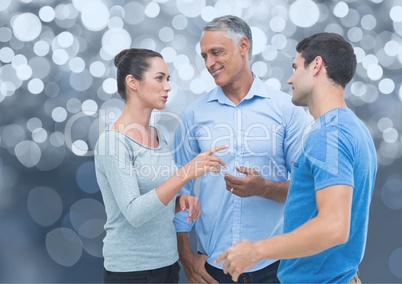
154	87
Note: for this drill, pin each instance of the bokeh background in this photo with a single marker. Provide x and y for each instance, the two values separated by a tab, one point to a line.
58	92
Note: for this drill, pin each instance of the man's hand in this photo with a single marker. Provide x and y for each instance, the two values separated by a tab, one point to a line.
185	201
194	268
250	185
255	185
238	259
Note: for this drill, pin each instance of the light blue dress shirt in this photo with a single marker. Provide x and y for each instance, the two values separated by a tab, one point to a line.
264	132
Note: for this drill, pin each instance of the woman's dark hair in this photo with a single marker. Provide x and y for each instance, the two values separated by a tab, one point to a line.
133	61
338	55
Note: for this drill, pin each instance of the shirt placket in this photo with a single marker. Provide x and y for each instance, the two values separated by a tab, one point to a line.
238	161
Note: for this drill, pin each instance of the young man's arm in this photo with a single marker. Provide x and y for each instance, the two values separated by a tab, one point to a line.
329	228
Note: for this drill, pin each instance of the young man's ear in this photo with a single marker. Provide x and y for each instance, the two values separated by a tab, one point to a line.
131	82
317	64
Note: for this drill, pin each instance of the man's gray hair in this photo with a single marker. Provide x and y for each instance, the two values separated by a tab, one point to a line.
235	27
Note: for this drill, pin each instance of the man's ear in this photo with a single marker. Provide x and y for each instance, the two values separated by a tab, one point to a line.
131	82
244	45
317	65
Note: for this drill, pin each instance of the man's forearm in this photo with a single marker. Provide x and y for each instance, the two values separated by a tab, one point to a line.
184	247
277	191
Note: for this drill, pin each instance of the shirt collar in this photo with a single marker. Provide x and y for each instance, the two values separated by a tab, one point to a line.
257	89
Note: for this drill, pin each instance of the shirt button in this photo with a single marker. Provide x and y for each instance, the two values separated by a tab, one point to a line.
237	205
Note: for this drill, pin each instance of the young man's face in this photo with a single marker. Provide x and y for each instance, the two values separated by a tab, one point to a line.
300	81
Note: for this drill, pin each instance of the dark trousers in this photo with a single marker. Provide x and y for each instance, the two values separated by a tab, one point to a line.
168	274
265	275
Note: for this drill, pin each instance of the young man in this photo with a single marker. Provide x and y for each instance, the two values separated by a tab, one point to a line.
326	212
263	130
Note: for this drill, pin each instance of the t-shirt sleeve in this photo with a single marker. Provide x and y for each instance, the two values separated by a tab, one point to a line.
329	154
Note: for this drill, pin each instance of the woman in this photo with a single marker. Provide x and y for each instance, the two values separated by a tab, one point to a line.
137	178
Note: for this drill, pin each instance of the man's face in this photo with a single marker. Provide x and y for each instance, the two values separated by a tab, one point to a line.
300	82
223	59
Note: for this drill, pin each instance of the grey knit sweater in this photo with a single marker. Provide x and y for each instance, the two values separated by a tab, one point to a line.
140	234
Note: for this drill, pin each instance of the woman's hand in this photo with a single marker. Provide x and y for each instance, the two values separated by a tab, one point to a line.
202	163
185	201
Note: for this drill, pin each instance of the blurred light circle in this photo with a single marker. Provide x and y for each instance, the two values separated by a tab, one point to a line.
65	39
88	215
274	83
28	153
181	59
389	150
270	52
33	123
52	89
259	40
360	54
259	68
277	24
81	81
179	22
391	193
110	110
7	89
73	105
390	135
384	123
396	13
24	72
375	72
179	42
386	86
76	64
368	22
19	60
186	72
169	54
89	107
166	34
44	205
35	86
371	94
228	7
41	48
47	14
351	19
115	40
304	13
97	69
94	15
152	10
395	261
109	85
12	134
341	9
4	4
86	178
369	60
190	8
134	13
197	86
115	23
79	148
392	48
39	135
208	13
64	246
279	41
358	88
59	114
56	139
26	27
355	34
5	34
6	54
60	57
148	43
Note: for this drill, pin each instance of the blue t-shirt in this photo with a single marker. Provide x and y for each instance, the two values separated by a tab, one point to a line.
338	150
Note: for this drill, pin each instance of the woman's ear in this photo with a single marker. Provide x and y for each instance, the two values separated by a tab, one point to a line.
131	82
